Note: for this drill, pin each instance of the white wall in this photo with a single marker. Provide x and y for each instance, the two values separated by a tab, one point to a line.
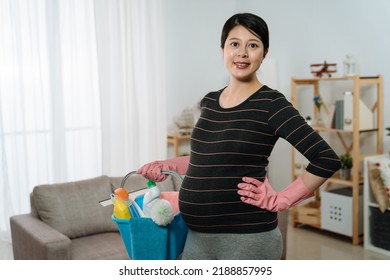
302	32
194	58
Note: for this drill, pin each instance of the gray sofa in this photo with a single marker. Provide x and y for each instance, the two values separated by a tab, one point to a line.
66	221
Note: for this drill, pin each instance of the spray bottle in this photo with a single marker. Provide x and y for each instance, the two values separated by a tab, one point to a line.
122	195
150	198
121	210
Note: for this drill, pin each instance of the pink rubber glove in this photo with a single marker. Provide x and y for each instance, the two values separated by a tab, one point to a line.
262	195
153	169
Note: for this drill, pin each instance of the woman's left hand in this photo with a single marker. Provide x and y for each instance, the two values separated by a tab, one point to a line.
261	194
257	193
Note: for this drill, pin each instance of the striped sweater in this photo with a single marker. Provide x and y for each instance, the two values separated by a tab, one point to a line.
228	144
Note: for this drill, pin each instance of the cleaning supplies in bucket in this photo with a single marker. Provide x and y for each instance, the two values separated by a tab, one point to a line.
124	207
145	240
158	209
145	237
121	209
150	197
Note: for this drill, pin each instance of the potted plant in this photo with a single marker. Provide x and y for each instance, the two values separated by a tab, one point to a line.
318	103
308	119
346	166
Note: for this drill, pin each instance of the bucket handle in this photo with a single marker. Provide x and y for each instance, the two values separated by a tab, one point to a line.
167	172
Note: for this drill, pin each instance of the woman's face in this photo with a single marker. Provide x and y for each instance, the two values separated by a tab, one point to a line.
243	53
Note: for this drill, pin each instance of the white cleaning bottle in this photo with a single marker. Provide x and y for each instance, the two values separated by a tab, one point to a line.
150	197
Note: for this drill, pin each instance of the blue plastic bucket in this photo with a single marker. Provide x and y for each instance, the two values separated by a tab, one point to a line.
145	240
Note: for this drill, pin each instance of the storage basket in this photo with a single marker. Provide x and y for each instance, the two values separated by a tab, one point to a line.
336	211
380	228
145	240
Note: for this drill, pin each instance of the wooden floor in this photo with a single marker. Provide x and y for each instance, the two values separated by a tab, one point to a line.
308	243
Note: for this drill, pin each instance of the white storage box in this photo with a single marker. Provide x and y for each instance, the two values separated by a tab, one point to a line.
336	211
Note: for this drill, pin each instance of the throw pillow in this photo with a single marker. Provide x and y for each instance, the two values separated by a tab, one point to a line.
378	187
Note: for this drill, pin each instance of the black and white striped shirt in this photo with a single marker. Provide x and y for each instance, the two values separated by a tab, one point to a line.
228	144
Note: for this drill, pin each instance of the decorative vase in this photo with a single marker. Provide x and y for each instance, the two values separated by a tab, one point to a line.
345	173
350	68
318	121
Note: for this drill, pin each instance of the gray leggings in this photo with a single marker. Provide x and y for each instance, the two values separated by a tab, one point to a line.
229	246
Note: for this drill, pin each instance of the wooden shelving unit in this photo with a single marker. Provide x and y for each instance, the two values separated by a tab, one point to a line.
175	140
310	213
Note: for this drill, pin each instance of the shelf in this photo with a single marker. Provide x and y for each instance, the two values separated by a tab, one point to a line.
349	140
362	79
175	140
348	183
308	214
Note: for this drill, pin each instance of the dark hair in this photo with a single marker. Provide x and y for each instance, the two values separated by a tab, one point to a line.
253	23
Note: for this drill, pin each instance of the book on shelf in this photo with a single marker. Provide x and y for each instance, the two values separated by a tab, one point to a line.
339	114
366	117
329	122
343	114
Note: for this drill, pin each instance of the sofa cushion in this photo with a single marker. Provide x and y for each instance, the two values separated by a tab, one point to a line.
73	208
104	246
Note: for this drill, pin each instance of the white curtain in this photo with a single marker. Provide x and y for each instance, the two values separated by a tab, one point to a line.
82	93
130	40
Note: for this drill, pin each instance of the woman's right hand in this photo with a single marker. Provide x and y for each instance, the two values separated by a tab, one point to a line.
153	170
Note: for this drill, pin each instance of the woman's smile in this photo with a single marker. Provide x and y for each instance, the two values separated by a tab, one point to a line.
241	65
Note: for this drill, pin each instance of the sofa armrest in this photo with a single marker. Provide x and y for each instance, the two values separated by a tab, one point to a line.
32	239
